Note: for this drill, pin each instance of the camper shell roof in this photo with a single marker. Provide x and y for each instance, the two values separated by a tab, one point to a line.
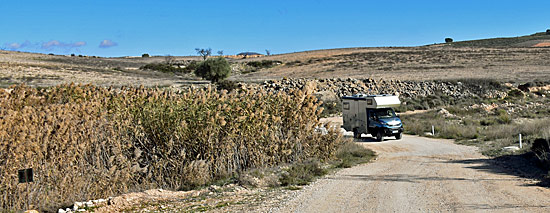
376	101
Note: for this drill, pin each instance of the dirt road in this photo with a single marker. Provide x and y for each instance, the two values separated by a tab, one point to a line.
418	174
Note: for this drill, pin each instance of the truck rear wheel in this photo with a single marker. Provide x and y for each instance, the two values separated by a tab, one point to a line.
356	134
379	135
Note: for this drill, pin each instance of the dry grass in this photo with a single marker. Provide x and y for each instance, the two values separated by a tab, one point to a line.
87	142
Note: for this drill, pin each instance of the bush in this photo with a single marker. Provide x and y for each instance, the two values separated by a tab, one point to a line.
227	85
330	108
213	69
263	64
351	154
541	148
548	32
448	40
163	68
302	173
145	55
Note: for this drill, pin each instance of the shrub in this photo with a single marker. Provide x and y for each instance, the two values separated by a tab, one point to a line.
145	55
548	32
448	40
515	93
263	64
351	154
541	148
302	173
163	68
331	107
227	85
213	69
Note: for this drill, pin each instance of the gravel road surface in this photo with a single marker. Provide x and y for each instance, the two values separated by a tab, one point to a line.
417	174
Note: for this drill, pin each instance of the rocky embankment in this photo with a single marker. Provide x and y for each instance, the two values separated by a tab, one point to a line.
410	89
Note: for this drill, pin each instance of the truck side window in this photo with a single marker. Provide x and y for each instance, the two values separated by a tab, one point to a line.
372	115
346	105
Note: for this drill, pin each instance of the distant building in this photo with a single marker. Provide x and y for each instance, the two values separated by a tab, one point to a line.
245	55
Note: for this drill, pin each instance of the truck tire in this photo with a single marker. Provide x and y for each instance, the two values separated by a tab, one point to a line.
399	136
379	135
356	134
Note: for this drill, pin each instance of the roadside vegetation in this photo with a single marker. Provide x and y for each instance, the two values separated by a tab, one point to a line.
490	124
292	176
87	142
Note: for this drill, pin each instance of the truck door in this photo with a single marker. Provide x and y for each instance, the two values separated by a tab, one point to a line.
370	117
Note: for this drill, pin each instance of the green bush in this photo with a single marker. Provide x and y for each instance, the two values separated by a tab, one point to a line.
227	85
163	68
351	154
331	108
145	55
213	69
302	173
263	64
448	40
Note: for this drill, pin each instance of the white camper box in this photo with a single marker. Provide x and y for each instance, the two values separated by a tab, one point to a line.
354	109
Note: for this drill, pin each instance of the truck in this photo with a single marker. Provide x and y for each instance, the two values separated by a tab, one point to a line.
372	114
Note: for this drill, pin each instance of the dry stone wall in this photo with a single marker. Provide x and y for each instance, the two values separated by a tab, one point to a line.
409	89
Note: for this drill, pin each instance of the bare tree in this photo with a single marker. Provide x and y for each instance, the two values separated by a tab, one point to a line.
168	59
267	52
204	52
220	52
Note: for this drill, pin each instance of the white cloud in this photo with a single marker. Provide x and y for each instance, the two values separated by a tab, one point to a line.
107	43
50	45
17	46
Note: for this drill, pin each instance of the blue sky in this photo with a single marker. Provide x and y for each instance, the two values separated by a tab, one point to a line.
121	28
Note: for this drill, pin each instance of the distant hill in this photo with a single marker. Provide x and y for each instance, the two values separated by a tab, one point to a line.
535	40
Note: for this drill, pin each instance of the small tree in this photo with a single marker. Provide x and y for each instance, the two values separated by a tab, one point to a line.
448	40
267	52
220	52
204	52
548	32
145	55
213	69
168	59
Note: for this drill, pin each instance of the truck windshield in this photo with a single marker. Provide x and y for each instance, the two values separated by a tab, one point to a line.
385	113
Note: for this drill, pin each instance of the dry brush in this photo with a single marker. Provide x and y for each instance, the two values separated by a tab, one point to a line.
87	142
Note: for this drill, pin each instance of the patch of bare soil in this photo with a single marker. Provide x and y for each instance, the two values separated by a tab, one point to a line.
543	44
229	198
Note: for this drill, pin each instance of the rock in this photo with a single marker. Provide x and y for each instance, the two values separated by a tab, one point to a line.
61	211
214	188
511	148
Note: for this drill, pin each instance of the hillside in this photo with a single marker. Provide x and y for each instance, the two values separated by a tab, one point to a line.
504	59
541	39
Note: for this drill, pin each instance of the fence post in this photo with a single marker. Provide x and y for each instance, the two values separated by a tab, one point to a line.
433	130
520	144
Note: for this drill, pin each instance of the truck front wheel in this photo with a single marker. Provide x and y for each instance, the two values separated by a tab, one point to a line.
399	136
380	135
